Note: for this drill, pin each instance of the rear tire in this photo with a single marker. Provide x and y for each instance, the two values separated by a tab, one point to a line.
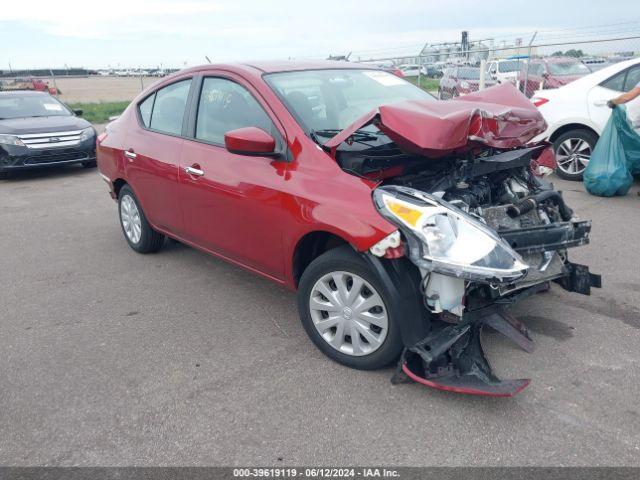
378	341
135	227
570	148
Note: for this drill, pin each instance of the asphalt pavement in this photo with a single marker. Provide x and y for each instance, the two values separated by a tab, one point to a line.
108	357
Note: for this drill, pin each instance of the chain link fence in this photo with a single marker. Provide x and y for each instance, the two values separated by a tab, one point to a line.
537	62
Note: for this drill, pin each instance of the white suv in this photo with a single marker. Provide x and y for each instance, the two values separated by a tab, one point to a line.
505	71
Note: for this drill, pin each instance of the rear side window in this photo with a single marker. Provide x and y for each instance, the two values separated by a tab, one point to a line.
168	108
616	82
536	69
146	108
633	78
224	105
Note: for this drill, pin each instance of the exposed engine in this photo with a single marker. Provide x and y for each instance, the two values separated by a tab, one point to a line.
477	231
523	229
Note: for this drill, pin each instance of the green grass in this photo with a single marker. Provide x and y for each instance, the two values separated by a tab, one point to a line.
99	112
428	84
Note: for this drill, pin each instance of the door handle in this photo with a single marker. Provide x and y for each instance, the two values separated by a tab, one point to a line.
196	172
130	154
600	103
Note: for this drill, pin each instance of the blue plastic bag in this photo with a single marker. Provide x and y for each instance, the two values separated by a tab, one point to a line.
615	156
630	140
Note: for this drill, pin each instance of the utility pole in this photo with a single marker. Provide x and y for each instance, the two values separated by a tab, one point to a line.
526	74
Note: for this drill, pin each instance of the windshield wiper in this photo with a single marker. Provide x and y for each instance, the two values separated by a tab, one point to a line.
332	132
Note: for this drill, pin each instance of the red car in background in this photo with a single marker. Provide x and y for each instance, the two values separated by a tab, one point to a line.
456	81
405	224
550	72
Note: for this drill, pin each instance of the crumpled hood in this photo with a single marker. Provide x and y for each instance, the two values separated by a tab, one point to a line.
499	117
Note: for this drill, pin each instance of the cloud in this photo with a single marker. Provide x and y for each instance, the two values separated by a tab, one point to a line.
72	18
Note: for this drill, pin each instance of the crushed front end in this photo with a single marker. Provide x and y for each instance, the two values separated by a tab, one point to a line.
480	227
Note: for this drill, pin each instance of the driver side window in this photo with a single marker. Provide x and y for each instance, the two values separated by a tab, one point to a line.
225	105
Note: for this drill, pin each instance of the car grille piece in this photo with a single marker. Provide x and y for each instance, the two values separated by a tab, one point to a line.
51	140
55	157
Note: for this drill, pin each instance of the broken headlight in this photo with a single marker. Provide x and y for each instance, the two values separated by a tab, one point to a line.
444	239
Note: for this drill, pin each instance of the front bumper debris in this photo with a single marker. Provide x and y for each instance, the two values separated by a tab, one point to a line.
451	358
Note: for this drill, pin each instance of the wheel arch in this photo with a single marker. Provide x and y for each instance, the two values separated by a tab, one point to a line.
310	246
571	126
118	183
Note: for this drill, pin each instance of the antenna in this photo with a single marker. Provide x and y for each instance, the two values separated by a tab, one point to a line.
208	60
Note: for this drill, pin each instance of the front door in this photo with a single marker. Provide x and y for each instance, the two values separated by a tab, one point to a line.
232	204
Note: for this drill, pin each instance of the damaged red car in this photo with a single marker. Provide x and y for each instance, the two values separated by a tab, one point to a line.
406	224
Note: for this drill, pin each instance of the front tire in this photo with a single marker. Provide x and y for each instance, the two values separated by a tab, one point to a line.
135	227
346	311
573	151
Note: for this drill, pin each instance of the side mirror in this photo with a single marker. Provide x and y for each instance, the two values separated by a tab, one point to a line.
250	141
78	112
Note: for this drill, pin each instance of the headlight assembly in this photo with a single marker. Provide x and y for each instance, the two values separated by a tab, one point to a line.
87	133
444	239
11	140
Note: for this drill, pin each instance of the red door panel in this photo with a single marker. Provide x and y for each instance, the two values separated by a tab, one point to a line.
153	175
235	207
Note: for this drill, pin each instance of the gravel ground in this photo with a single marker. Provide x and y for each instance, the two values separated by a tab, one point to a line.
108	357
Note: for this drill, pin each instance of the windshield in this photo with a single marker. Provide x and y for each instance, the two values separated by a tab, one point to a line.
469	73
18	106
568	68
511	66
334	99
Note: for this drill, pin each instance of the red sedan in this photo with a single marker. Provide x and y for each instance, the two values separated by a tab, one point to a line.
382	206
550	72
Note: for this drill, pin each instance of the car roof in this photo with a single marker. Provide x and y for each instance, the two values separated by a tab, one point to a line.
560	59
274	66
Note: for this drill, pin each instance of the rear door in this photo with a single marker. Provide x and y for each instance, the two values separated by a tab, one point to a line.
152	154
234	207
610	88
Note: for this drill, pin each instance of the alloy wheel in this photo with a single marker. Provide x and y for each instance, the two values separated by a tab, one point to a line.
130	218
572	155
349	313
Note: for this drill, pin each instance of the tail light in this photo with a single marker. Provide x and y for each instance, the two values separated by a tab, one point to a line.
538	101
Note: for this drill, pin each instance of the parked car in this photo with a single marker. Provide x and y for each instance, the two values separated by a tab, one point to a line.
458	81
28	83
505	71
37	130
431	71
404	223
596	63
577	113
409	70
550	72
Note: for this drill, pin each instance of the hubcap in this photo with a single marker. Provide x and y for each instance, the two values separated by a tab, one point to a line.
348	313
130	218
573	155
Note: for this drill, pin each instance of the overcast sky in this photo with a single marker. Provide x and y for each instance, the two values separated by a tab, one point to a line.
131	33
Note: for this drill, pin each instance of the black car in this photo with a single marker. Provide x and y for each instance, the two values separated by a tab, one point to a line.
37	130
